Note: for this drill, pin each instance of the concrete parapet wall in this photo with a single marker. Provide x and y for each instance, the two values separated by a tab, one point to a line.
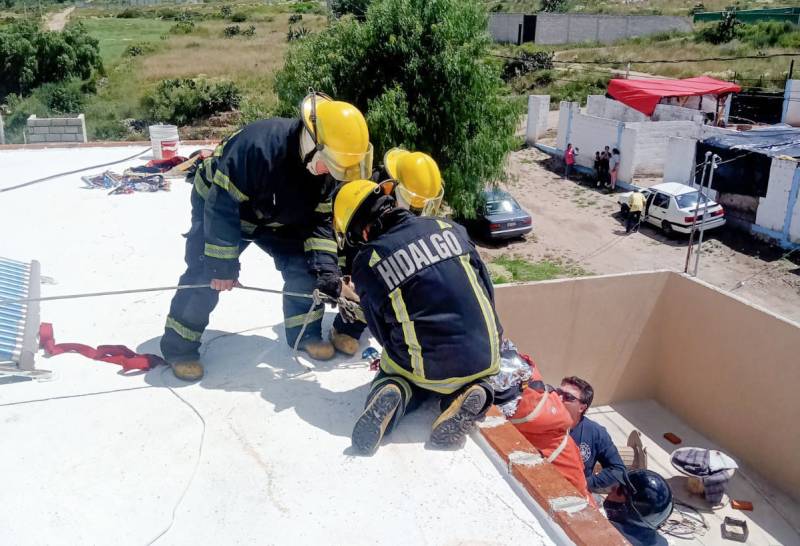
602	107
791	103
538	111
668	112
730	371
42	130
651	142
605	29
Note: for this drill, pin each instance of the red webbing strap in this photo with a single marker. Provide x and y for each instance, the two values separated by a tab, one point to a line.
115	354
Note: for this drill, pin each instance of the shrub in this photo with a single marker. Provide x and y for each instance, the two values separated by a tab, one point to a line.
554	6
295	18
297	33
135	50
62	98
722	32
183	27
527	62
358	8
168	13
231	31
417	69
770	34
238	17
225	11
130	13
249	32
304	7
30	57
183	101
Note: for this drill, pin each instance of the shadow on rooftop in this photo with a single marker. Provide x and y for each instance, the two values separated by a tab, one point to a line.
246	362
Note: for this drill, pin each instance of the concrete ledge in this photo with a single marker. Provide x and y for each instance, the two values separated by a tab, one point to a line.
558	498
100	144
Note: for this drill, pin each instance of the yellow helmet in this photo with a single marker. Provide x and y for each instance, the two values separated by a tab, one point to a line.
340	135
419	185
348	202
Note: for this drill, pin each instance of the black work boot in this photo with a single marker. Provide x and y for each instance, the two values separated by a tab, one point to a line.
457	420
369	429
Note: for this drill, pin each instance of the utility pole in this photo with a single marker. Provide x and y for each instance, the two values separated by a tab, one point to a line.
694	219
714	159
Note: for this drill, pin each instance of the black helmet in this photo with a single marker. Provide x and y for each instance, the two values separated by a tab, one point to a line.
648	498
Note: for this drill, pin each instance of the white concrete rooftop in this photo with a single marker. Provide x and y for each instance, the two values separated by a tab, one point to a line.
96	457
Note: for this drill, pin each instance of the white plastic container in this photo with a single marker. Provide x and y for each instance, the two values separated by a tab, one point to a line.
165	141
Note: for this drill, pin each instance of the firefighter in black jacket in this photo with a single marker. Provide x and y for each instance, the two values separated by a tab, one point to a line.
270	183
428	299
418	187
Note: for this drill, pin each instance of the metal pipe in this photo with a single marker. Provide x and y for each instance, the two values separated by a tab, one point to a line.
714	160
694	219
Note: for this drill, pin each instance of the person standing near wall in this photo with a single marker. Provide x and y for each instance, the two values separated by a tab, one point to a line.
635	209
605	157
613	168
569	160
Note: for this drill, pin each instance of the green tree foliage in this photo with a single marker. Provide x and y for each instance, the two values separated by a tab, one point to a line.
183	101
30	57
357	8
417	69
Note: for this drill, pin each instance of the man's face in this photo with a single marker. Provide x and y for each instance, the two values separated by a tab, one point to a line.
572	401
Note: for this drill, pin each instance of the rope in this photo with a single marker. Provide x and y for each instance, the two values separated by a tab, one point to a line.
12	301
76	171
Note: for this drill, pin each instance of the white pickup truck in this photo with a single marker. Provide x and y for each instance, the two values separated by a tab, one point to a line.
671	207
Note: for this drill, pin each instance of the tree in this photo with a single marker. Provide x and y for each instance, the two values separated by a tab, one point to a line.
418	69
30	57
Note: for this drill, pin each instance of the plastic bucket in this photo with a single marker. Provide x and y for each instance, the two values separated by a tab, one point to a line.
165	140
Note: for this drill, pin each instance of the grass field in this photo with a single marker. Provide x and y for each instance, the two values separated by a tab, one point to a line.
167	53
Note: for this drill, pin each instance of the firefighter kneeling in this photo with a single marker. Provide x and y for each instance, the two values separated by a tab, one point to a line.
428	299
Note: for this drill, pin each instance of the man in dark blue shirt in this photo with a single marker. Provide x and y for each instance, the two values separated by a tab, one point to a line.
591	438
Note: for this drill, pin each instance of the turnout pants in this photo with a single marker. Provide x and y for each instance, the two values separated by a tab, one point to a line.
190	309
352	329
633	221
413	395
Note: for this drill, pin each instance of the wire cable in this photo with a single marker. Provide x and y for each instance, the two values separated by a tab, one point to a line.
196	462
58	175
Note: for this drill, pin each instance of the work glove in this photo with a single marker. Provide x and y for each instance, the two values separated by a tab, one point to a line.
329	283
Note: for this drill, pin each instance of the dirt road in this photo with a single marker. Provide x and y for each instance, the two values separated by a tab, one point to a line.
581	224
57	20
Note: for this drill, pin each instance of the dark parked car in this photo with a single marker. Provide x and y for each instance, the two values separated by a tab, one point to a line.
501	217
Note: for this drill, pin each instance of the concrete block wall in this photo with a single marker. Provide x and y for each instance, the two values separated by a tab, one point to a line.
772	209
791	103
43	130
2	131
651	143
566	111
504	27
572	28
667	112
603	107
538	111
680	167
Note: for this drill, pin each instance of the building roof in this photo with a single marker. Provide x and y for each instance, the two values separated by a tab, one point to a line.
775	141
643	95
96	457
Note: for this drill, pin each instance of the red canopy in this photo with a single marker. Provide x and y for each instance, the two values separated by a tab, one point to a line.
644	95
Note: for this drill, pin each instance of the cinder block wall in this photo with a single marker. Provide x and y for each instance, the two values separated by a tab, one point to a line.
504	27
42	130
573	28
651	142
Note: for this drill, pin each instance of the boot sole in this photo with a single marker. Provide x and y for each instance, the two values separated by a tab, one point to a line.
369	428
457	421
